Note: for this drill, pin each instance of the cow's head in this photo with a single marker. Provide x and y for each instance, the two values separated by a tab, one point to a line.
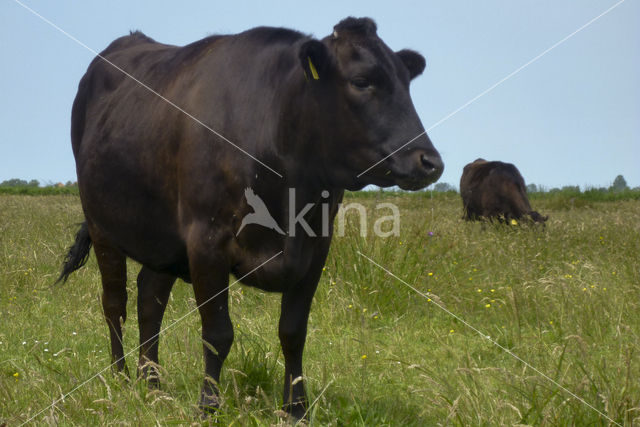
363	91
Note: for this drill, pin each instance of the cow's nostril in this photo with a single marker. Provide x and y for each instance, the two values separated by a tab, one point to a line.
428	164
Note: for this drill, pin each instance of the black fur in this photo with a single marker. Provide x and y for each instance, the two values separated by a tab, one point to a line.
365	27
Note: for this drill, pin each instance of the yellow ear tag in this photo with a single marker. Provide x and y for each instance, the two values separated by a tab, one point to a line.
314	72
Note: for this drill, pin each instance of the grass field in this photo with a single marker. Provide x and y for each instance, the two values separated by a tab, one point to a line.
565	299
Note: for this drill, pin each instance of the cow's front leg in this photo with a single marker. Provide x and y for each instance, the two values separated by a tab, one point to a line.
292	330
210	284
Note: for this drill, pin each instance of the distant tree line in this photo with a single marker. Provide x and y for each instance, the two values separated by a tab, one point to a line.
619	185
33	187
16	182
444	187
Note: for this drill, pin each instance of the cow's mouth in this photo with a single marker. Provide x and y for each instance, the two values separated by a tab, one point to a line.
414	185
410	172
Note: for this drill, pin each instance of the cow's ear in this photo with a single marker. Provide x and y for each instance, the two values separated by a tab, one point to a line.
414	62
314	58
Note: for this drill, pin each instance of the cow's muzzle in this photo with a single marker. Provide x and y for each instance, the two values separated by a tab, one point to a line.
423	167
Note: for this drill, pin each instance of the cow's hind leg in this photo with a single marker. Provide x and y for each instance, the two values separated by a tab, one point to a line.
113	269
153	295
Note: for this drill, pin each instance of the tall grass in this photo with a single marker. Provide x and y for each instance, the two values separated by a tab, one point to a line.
565	298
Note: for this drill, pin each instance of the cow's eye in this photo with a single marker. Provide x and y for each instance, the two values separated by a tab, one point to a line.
360	83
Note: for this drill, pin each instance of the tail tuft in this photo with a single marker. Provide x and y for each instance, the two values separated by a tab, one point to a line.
78	253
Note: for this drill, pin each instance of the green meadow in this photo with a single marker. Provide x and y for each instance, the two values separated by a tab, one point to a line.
505	324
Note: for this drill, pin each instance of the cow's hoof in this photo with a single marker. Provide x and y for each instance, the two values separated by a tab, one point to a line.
151	377
150	372
153	382
209	404
297	411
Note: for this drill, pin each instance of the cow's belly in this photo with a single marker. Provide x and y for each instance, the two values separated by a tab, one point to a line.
139	223
275	267
150	243
275	276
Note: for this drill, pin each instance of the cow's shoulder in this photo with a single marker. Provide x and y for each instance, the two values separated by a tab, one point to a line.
271	35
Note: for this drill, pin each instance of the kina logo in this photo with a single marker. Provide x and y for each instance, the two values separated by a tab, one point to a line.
260	214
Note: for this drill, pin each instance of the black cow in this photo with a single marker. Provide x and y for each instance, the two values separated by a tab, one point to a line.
495	190
277	112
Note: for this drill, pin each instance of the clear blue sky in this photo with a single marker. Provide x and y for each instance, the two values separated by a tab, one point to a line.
570	118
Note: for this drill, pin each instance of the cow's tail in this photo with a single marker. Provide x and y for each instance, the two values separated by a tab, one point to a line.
78	253
537	217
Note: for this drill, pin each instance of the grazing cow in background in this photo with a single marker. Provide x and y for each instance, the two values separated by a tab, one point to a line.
495	190
165	190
